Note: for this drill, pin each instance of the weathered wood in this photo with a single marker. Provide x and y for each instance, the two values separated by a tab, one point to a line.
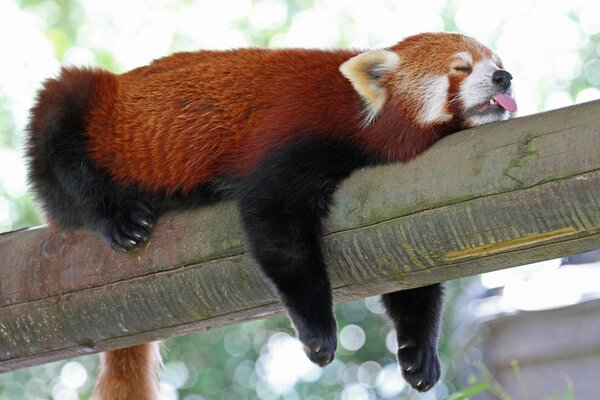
483	199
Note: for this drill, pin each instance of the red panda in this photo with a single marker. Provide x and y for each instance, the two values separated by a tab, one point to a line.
276	129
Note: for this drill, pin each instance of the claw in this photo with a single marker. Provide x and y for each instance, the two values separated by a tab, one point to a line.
144	208
130	230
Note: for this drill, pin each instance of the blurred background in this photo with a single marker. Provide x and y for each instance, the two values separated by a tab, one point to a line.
529	332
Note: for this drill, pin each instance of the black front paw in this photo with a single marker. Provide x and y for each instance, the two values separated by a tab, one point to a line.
319	340
320	348
131	229
420	365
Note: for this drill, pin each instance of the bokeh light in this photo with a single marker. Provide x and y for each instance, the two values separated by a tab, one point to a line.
352	337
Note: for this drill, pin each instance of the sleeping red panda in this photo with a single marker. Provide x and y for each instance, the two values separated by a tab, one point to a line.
276	129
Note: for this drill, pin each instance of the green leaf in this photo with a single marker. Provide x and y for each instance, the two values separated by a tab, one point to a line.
473	390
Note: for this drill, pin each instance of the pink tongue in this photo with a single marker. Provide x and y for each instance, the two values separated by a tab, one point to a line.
506	101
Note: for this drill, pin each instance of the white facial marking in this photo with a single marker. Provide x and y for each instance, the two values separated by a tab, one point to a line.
477	89
476	120
435	98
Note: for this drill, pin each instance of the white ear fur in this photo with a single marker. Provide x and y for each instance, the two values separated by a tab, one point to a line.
365	71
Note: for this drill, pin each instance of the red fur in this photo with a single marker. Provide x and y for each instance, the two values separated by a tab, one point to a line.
429	53
129	374
191	117
188	118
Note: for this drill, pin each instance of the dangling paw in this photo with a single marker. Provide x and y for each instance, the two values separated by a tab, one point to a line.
320	349
419	364
319	340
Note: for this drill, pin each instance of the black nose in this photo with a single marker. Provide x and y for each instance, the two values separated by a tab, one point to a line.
502	78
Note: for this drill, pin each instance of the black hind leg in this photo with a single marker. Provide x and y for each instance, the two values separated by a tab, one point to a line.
124	217
286	245
416	314
282	204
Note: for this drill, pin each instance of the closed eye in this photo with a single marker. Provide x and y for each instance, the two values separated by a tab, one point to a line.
463	68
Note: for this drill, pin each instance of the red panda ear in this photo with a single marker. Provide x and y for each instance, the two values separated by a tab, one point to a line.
365	71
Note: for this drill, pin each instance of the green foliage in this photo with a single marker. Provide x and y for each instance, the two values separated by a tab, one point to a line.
480	387
589	54
62	19
7	124
486	383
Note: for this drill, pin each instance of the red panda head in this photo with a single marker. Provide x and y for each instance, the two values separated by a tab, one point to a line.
433	79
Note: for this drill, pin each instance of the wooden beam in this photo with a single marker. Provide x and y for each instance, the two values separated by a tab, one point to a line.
483	199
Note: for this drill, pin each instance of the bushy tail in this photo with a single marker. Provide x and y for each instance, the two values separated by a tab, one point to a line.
129	374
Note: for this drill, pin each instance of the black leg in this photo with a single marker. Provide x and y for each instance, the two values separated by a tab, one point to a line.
287	248
282	204
73	192
416	315
122	216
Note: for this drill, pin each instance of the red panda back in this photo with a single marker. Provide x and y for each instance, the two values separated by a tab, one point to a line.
189	118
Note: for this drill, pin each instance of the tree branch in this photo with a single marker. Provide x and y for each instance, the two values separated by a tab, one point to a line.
488	198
